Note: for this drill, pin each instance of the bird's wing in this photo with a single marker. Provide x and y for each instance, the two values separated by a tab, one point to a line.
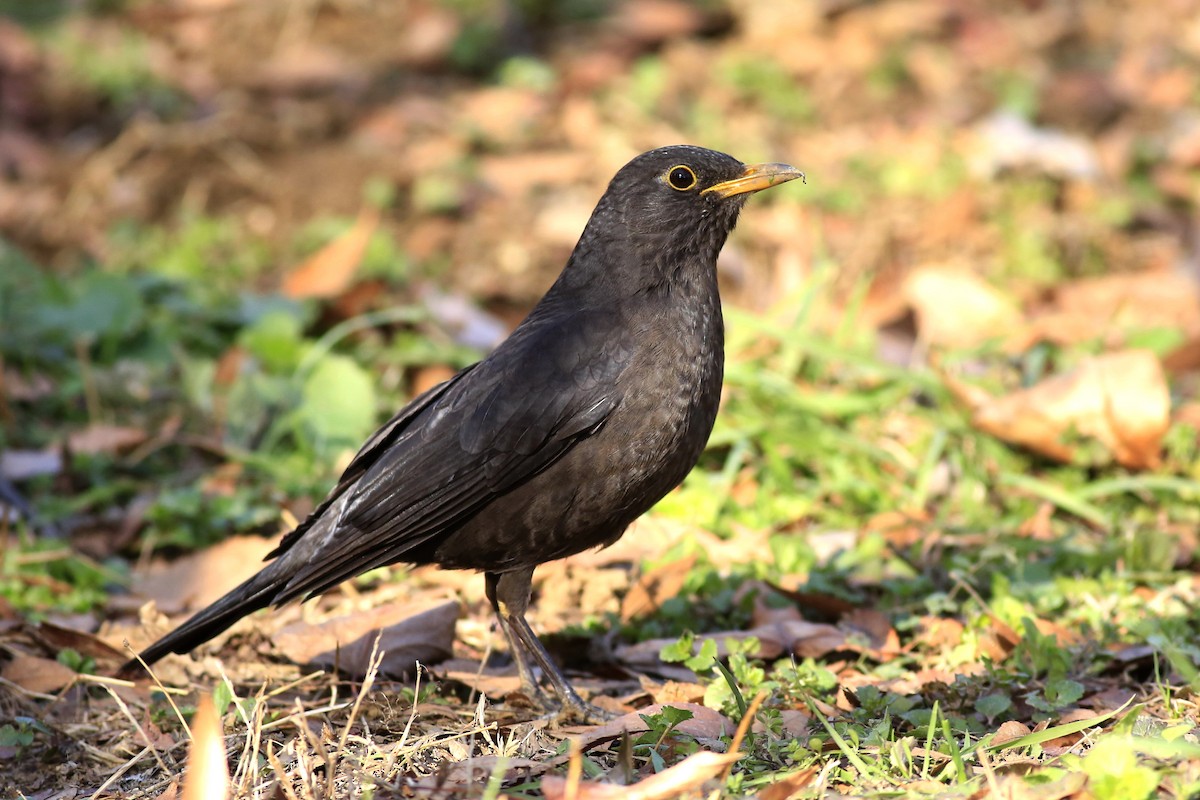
368	454
553	383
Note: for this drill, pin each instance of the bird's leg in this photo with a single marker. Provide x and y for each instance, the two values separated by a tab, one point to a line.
529	684
509	593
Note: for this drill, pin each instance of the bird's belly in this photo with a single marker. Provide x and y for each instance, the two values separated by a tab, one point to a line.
588	497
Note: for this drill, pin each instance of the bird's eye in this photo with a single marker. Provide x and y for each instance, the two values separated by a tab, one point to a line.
681	178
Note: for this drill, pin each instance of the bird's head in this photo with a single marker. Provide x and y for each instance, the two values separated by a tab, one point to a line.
667	213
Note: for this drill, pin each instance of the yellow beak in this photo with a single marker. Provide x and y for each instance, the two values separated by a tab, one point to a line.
755	178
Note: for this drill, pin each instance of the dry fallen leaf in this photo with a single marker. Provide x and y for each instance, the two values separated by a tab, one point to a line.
170	793
674	692
407	634
704	724
101	438
789	785
1093	308
475	771
59	637
35	674
329	271
685	776
487	682
875	634
956	308
1185	357
654	587
150	735
1012	729
1119	399
198	579
776	639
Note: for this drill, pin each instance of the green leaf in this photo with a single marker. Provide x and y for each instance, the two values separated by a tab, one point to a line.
15	737
993	705
679	650
674	716
1114	772
338	405
703	661
275	340
100	306
1063	692
222	696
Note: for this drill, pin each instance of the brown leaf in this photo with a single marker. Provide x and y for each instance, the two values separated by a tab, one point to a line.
35	674
304	66
956	308
812	640
1119	400
1109	699
826	605
1062	744
674	692
775	640
704	724
151	735
207	777
1092	308
170	793
200	578
1063	635
940	633
503	115
25	388
101	438
790	785
654	21
997	640
477	769
406	634
673	782
330	270
58	637
486	682
1185	357
1010	730
654	587
882	642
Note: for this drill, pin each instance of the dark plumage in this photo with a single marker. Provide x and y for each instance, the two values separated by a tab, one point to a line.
596	406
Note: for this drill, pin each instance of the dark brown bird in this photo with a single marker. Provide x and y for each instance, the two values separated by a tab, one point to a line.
596	406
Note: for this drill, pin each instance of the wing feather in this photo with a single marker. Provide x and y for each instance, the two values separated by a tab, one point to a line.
482	434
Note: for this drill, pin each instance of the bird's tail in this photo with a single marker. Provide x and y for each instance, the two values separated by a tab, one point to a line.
258	592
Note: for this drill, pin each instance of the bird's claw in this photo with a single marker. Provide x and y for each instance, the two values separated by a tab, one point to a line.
561	711
583	713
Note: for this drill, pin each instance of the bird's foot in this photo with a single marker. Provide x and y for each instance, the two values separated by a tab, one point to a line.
565	709
583	713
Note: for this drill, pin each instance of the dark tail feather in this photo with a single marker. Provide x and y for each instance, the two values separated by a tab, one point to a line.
258	592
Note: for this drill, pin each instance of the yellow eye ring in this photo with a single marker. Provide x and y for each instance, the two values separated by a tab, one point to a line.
680	177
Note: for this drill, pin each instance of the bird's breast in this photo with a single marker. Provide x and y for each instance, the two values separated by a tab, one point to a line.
669	394
672	389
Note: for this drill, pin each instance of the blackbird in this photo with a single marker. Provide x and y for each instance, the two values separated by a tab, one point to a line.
596	406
